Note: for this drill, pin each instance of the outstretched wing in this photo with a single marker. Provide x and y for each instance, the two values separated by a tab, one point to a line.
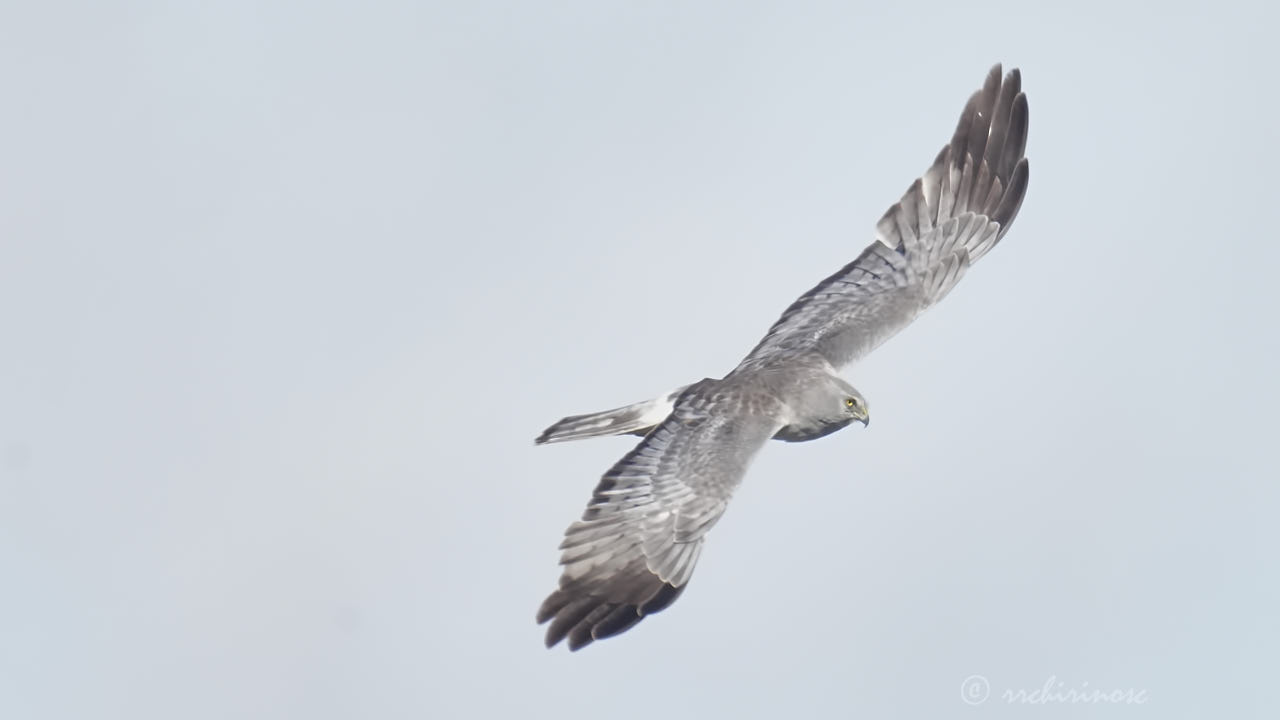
948	219
634	550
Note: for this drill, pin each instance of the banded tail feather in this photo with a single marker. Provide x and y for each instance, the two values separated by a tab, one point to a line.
636	419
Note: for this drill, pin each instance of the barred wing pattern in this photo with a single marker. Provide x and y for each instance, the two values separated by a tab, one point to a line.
951	216
639	539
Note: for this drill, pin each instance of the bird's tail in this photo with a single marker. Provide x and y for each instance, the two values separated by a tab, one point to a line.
637	419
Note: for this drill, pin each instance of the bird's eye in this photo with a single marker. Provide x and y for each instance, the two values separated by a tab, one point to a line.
850	402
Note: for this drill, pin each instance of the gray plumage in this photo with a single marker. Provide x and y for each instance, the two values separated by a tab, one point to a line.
634	550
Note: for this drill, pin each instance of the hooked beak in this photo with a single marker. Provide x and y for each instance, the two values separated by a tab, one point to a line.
865	419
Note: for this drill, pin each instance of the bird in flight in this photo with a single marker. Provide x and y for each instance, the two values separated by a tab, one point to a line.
634	549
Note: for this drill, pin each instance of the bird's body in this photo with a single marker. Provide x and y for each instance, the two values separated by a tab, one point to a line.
635	548
772	390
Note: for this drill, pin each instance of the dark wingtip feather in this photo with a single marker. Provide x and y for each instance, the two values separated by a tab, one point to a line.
1014	79
1013	196
661	599
961	135
552	605
992	130
1015	144
582	633
980	125
567	618
622	618
584	619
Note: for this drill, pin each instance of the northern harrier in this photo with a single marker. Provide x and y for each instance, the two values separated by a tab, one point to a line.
634	550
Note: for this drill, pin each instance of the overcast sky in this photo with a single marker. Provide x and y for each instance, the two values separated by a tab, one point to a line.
287	290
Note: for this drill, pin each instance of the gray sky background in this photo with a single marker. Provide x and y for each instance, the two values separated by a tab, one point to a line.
287	290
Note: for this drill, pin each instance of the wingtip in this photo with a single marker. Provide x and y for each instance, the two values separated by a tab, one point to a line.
578	641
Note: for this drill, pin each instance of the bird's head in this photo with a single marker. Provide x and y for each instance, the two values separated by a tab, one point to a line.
850	405
824	407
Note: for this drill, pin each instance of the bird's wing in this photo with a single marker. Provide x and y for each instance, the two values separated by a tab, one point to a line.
634	550
951	216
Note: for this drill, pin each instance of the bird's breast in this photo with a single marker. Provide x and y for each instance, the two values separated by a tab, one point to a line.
800	431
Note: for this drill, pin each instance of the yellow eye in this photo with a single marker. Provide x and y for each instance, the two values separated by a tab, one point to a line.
850	402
